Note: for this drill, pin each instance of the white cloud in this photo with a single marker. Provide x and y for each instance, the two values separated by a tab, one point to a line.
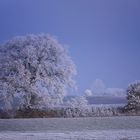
115	92
98	86
99	89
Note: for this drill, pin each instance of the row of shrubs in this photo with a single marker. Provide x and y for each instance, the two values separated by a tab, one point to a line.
68	112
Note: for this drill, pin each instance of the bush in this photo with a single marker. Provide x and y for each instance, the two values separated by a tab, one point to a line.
35	113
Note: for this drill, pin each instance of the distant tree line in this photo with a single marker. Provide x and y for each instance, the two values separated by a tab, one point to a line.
78	107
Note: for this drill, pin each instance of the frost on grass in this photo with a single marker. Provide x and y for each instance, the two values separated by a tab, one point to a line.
98	128
85	135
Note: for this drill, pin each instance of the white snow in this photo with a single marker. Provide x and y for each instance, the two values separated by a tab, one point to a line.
68	135
96	128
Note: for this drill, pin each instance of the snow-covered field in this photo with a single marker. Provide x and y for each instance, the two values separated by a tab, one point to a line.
68	135
106	128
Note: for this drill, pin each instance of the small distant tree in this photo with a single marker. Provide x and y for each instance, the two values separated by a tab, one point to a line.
35	70
88	93
133	96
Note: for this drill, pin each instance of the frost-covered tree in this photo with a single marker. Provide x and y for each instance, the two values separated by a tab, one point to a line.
133	96
35	70
76	107
78	102
88	93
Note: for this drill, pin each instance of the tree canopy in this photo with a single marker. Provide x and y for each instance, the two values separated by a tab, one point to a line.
133	96
35	70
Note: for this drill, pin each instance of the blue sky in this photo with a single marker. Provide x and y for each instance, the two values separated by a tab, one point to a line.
103	35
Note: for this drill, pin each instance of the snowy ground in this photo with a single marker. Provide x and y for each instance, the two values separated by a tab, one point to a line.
68	135
106	128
